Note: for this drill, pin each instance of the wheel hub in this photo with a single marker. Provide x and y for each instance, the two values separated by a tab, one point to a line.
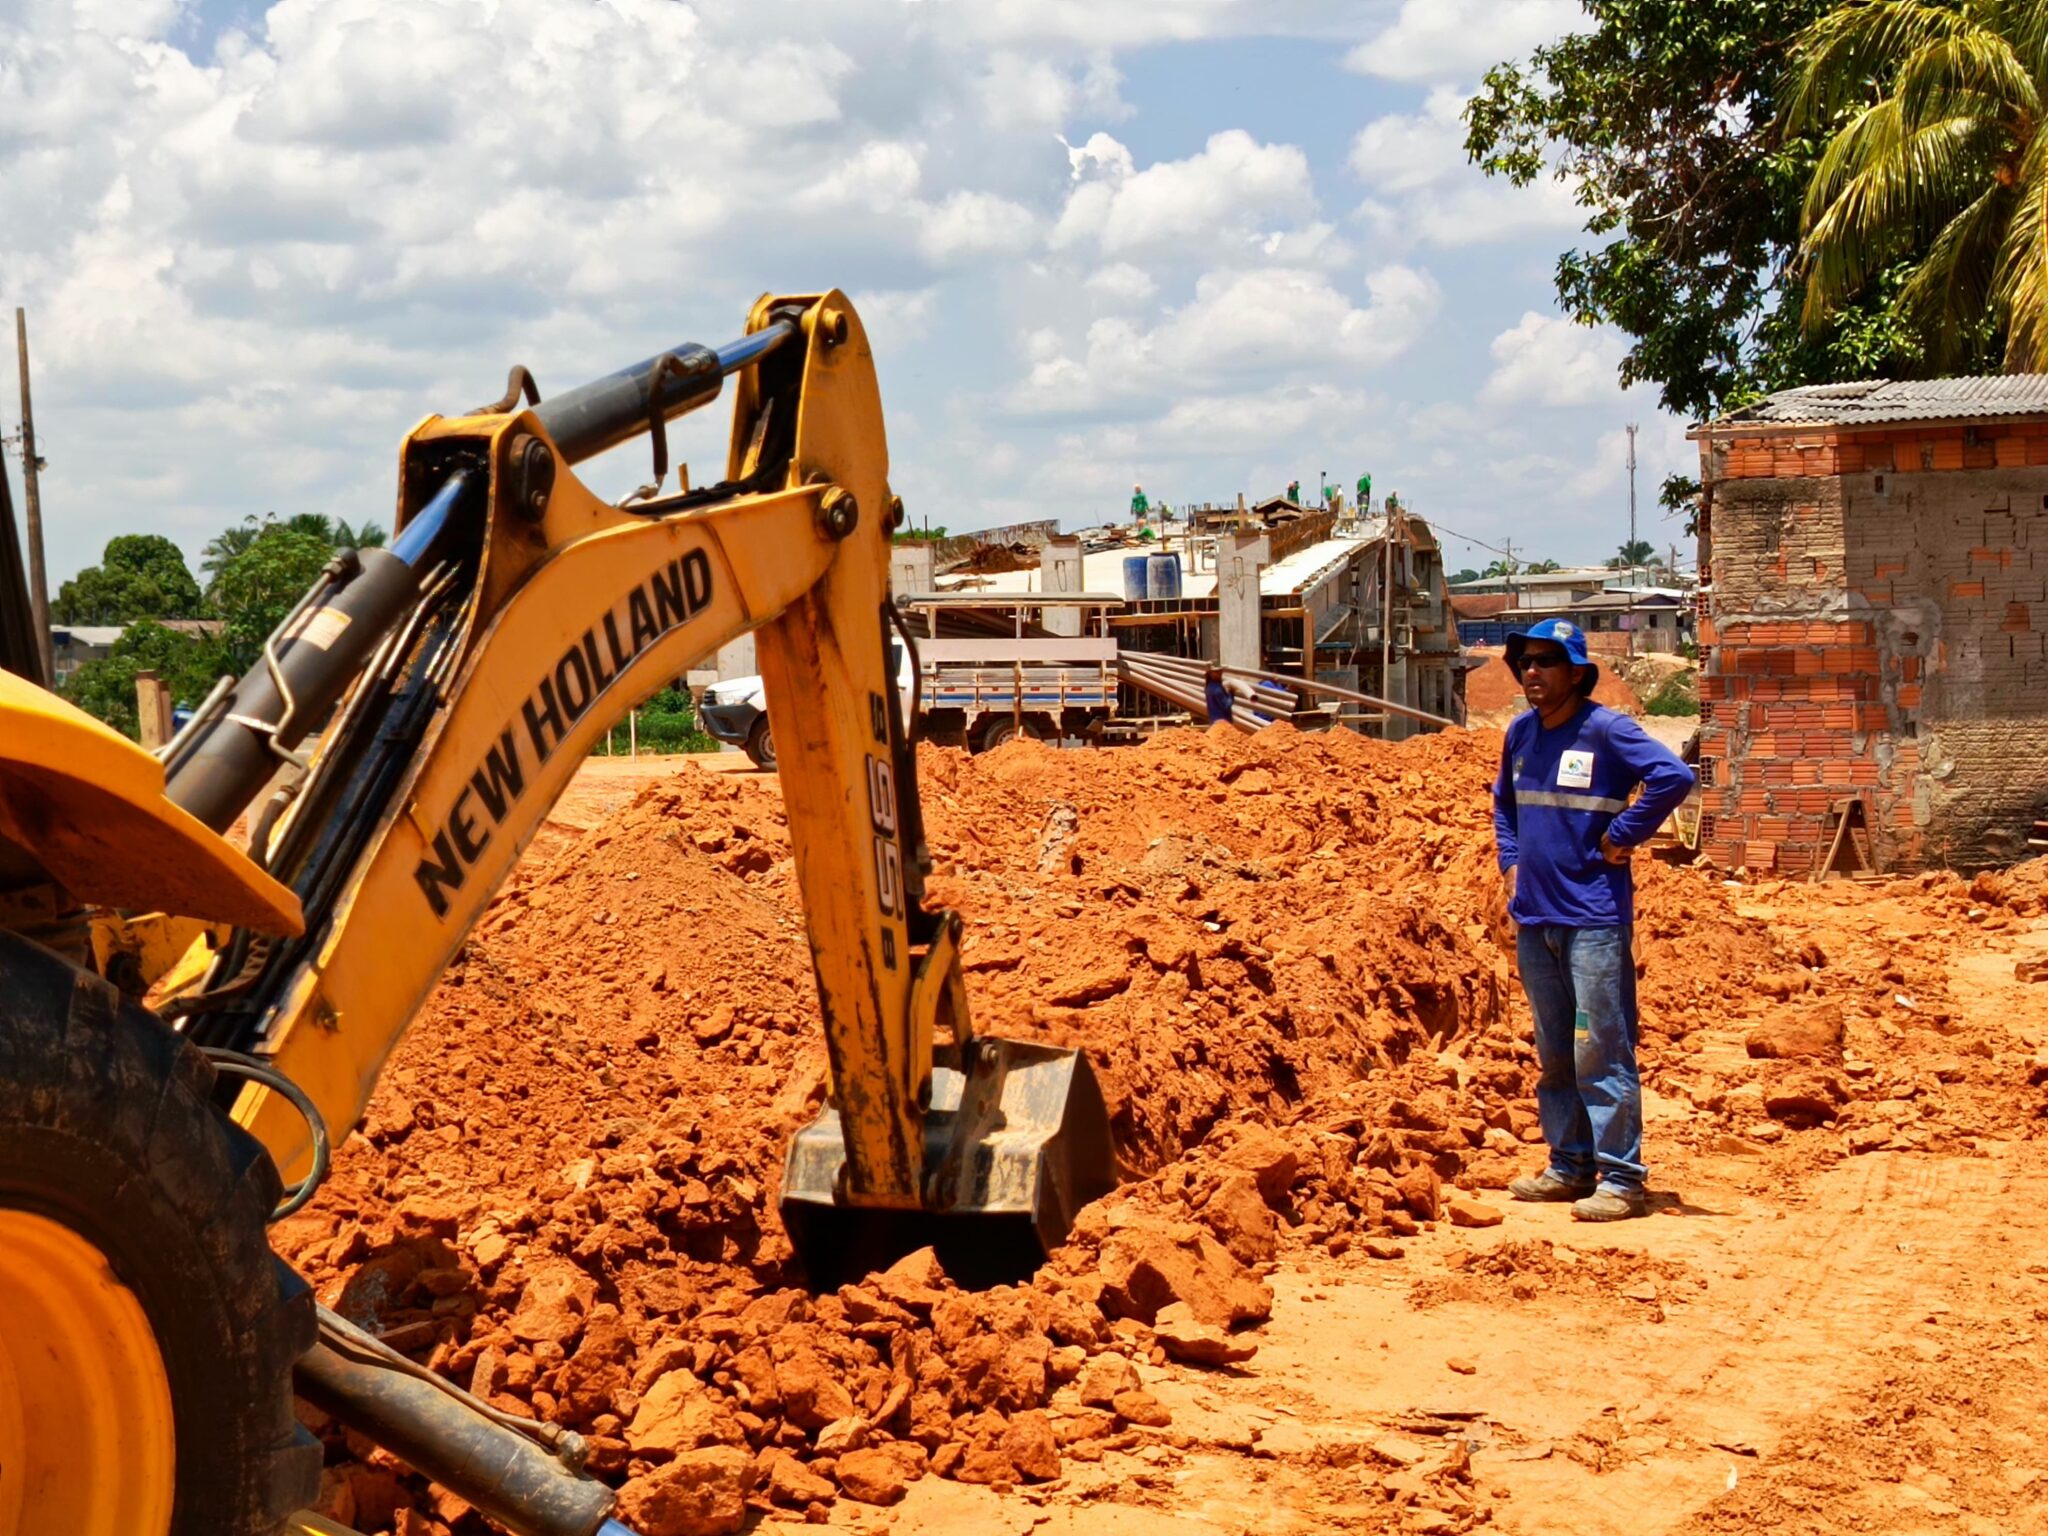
87	1437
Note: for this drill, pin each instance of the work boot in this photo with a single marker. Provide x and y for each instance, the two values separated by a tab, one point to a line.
1610	1205
1547	1186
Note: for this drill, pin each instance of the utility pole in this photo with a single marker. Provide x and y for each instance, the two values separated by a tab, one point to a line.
1631	496
38	583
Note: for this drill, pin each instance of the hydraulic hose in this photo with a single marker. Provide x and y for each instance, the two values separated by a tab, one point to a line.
319	650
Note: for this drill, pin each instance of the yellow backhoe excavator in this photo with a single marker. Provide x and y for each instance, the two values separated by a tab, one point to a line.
150	1343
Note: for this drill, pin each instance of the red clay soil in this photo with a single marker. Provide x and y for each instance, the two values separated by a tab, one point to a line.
1491	687
1283	954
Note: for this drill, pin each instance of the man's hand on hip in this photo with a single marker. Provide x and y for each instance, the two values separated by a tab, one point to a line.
1612	853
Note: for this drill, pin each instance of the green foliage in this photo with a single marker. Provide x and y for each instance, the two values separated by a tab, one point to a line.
1543	567
1932	189
1636	552
1467	574
1679	695
1662	119
259	586
335	532
668	723
188	666
1501	568
919	535
140	576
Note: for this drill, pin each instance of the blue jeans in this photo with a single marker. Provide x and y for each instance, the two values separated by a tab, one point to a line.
1582	988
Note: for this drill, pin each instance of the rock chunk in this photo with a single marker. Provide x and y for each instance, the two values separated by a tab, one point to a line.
1268	1158
871	1476
1105	1376
557	1298
700	1493
1146	1266
1186	1337
679	1414
1242	1220
1789	1033
812	1395
1464	1211
794	1486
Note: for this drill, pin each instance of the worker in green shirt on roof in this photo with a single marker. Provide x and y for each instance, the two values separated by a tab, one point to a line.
1365	493
1294	492
1140	507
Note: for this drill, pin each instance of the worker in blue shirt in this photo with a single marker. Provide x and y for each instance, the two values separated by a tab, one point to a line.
1564	827
1216	697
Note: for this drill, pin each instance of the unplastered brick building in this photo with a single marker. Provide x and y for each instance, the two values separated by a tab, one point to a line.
1876	624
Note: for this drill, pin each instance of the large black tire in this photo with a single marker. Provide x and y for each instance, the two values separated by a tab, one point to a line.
108	1126
997	729
761	744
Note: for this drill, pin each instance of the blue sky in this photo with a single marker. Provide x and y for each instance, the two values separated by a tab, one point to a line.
1208	245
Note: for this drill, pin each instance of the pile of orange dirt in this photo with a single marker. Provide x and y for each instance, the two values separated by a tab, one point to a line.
1283	954
1494	694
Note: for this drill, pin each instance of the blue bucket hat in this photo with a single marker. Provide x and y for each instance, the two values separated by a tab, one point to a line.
1559	632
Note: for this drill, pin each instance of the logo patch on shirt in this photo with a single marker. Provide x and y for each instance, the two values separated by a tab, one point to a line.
1575	770
1518	766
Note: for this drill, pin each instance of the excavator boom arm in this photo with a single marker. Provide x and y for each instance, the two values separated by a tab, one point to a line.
580	611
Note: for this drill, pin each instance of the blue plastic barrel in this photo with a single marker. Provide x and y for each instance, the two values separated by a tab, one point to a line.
1134	578
1162	578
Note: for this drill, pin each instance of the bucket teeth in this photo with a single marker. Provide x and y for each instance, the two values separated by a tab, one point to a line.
1016	1142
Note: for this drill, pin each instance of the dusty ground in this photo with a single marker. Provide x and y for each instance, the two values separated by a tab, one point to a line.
1284	957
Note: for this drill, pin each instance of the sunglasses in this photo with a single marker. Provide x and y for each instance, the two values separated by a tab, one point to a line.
1551	662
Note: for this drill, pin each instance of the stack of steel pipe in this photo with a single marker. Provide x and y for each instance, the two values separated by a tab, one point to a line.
1138	669
1276	703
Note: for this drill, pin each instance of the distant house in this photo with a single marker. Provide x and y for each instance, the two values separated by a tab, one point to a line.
1622	612
73	645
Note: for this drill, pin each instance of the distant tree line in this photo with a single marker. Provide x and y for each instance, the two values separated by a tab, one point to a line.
256	572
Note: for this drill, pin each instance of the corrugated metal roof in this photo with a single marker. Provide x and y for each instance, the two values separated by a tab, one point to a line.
1880	402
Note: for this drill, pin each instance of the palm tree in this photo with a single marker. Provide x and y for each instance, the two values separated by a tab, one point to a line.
1543	567
1934	159
1502	568
1635	552
225	545
365	535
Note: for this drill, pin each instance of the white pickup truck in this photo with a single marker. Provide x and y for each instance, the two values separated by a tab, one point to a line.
975	692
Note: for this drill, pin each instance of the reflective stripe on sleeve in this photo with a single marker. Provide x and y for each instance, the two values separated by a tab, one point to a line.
1565	800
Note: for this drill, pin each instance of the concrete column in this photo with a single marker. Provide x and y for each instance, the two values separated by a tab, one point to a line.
910	568
1240	557
1059	570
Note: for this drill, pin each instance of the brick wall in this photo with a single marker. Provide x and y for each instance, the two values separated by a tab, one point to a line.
1879	633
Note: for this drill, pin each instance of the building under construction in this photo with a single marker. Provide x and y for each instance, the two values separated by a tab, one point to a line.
1360	604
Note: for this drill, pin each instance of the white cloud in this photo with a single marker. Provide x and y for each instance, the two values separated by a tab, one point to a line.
1104	23
1276	321
1547	360
1122	283
896	317
1399	153
1423	192
975	224
253	257
1020	93
1456	39
1224	194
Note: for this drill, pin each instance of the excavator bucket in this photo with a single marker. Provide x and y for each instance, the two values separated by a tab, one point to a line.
1015	1145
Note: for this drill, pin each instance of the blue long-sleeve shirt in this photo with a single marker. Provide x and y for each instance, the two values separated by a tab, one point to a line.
1558	791
1218	702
